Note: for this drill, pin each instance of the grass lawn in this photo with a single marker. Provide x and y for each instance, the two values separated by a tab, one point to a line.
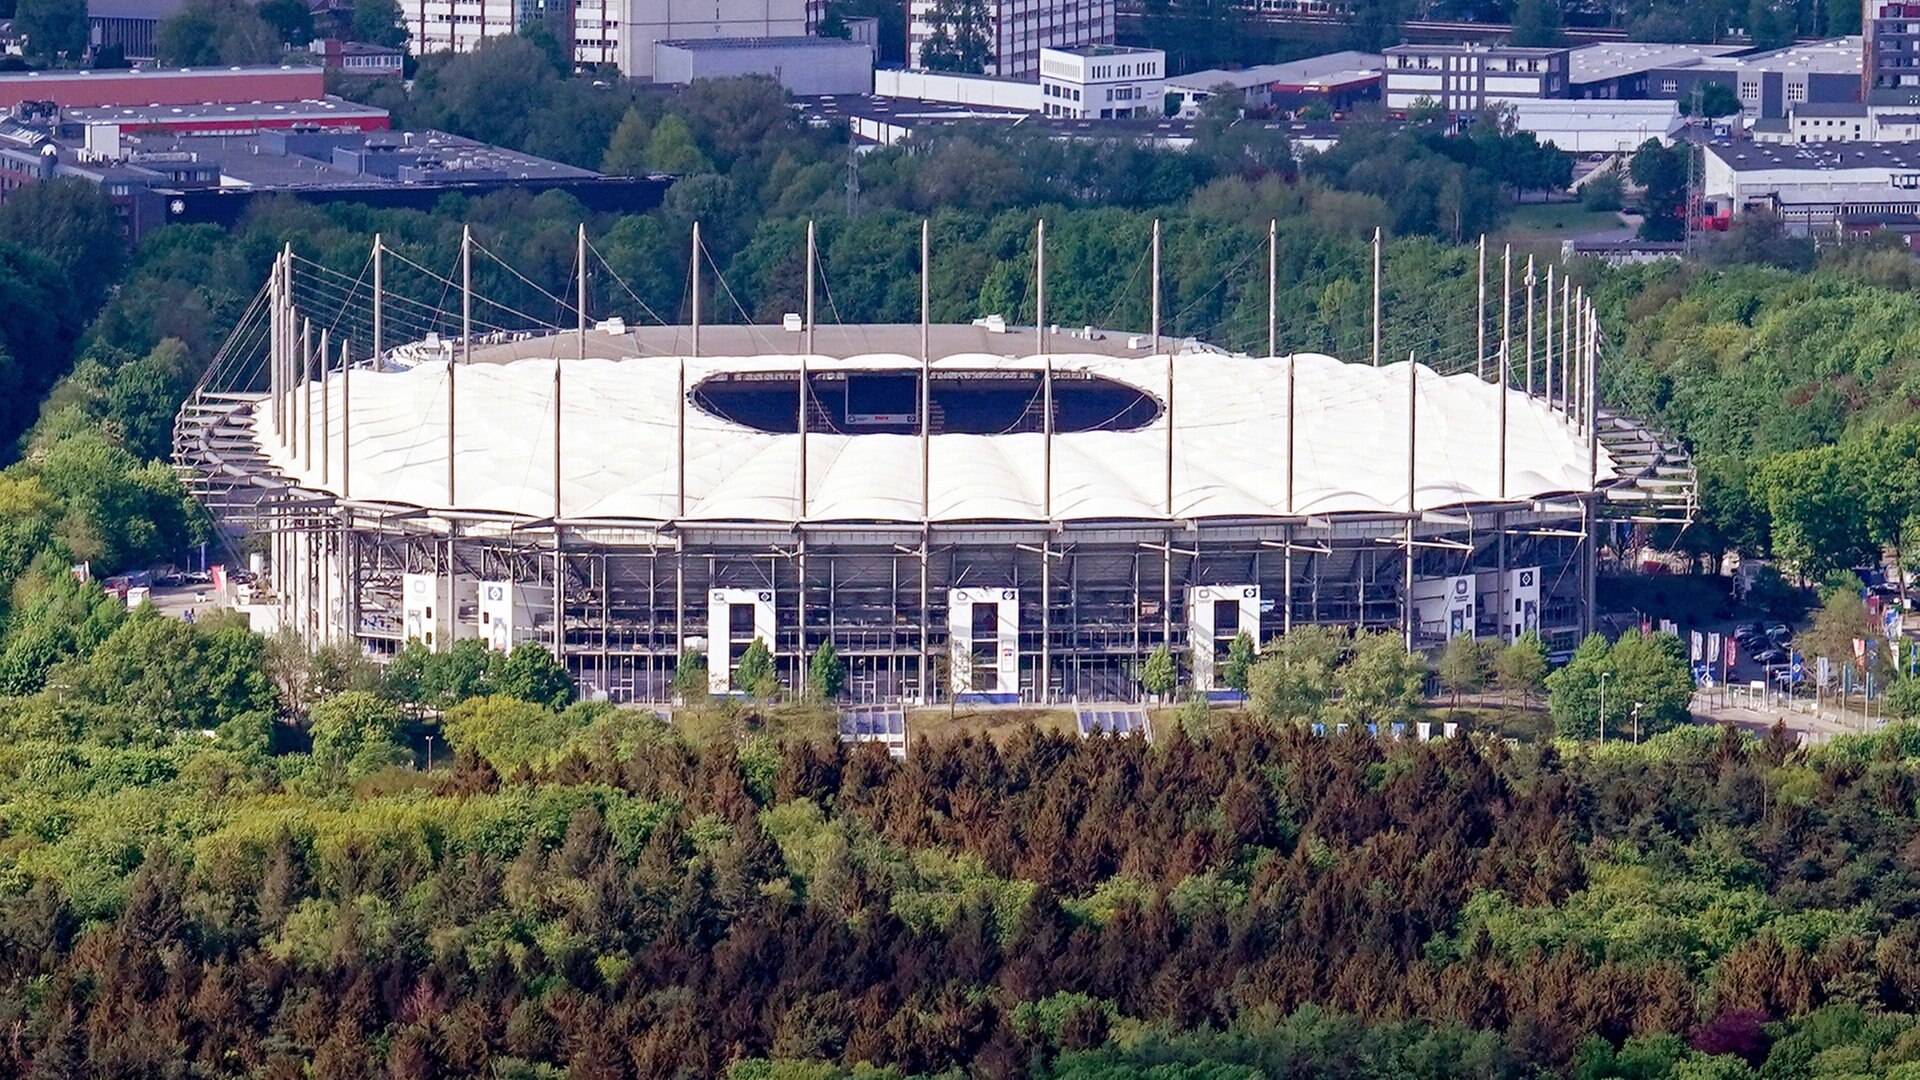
1556	220
998	724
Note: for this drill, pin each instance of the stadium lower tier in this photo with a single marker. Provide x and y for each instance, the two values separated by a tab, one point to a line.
998	614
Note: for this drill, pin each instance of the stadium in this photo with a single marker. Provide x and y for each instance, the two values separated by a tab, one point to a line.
966	511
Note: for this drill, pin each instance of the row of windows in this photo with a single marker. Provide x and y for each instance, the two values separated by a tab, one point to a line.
1123	71
1051	90
1462	63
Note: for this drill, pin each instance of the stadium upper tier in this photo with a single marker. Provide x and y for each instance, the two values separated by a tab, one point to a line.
626	441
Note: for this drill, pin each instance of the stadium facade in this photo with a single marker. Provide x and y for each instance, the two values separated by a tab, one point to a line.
964	511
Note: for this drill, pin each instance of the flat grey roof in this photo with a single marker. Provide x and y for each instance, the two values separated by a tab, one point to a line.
1834	56
1101	50
1819	157
326	109
796	41
1458	50
1616	59
1336	69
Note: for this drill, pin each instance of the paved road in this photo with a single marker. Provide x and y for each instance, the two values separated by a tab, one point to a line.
1799	718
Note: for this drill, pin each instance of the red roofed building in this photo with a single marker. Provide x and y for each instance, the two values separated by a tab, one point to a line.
171	86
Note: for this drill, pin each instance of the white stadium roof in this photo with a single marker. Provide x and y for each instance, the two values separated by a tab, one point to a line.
620	456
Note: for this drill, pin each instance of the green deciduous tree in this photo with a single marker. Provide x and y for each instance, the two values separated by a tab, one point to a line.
826	674
290	19
1537	23
1606	191
1662	171
509	732
1818	509
1160	675
1648	670
157	674
530	673
1574	690
1464	666
55	618
72	222
959	40
379	22
1242	654
52	28
356	734
1521	668
1381	682
216	32
461	672
117	512
671	149
1294	678
755	675
1654	674
627	150
690	677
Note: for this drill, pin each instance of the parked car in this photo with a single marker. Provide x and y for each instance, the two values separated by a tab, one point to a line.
1771	656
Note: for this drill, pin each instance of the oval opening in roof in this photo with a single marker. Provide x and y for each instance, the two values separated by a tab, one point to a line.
857	402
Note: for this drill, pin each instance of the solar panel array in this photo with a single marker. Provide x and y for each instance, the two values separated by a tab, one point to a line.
1112	719
885	724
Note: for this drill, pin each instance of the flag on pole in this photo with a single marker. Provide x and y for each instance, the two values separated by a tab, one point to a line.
1699	643
1733	652
1713	645
1859	652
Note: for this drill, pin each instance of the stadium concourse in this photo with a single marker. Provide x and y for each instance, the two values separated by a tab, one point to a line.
970	512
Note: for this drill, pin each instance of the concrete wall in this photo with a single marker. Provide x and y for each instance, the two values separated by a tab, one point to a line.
959	89
648	22
808	66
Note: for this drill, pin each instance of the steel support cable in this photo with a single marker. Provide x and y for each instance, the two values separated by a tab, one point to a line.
564	305
222	356
728	289
622	282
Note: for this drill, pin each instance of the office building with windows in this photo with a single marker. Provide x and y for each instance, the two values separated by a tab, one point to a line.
1770	85
1017	30
1106	82
1889	46
1466	79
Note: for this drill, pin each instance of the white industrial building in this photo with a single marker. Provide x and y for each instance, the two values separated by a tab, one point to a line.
621	33
1338	79
1095	82
625	32
1598	127
1108	82
1018	29
983	91
1820	122
806	66
1816	188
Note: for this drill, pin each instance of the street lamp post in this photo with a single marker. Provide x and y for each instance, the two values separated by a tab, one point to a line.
429	753
1637	706
1603	706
